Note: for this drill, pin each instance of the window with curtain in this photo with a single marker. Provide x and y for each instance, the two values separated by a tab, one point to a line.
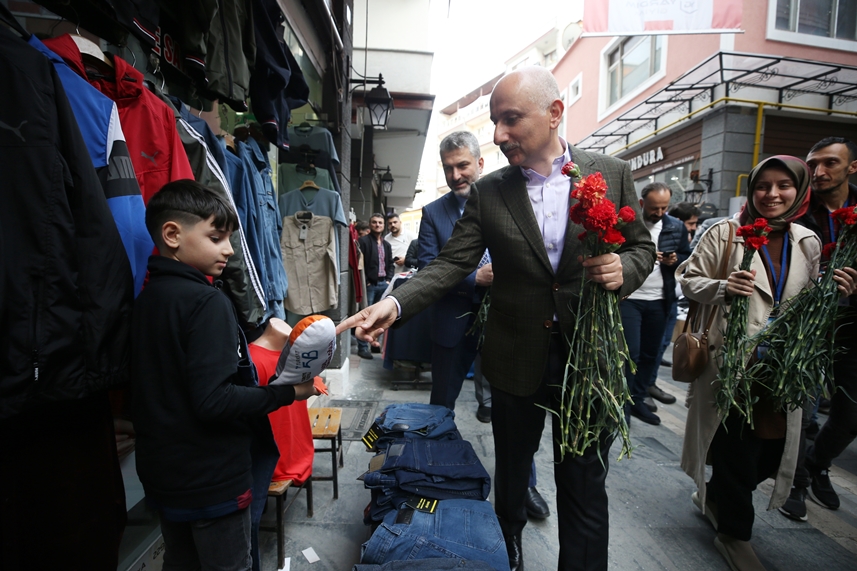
826	18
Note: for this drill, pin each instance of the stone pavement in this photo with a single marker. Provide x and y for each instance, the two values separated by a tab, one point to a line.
653	524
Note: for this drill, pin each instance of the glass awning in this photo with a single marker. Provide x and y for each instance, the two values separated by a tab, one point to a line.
722	75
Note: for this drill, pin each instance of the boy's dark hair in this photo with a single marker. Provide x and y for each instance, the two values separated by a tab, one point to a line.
361	225
684	211
188	202
827	141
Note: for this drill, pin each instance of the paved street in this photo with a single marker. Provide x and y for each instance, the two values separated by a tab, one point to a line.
653	523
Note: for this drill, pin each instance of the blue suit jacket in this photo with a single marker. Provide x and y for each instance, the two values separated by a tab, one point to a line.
438	221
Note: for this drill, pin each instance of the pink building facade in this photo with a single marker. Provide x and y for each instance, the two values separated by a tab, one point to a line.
696	111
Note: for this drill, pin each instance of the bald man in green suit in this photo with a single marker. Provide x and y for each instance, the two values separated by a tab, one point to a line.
520	213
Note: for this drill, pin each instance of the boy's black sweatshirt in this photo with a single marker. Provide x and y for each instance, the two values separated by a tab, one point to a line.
190	416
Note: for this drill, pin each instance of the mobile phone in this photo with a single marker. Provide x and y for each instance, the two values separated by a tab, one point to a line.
667	254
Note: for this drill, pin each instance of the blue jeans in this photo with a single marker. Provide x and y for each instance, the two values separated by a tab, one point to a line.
416	420
643	322
458	529
218	544
426	565
672	317
435	469
373	295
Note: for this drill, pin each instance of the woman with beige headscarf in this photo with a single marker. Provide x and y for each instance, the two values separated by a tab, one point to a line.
742	457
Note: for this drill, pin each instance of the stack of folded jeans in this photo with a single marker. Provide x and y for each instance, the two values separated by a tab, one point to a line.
423	461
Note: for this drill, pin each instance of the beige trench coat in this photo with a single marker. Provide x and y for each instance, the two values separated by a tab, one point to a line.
696	283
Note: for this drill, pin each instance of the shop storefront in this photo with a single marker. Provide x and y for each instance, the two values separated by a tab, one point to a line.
253	113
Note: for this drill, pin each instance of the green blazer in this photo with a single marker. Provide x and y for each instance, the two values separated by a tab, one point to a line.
526	292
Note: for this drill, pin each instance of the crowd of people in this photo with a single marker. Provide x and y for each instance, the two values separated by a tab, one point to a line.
515	219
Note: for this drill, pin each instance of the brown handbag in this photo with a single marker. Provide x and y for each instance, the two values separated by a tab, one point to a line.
690	350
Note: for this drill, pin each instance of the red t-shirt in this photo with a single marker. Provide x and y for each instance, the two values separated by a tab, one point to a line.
290	424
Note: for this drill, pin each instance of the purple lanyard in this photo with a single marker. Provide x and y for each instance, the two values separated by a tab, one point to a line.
779	281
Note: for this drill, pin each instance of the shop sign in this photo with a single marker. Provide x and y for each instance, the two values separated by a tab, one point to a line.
646	159
674	163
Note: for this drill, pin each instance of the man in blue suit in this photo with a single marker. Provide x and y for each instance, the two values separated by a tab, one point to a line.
453	350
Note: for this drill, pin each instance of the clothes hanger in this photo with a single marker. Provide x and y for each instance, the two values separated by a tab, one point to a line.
304	215
7	16
309	184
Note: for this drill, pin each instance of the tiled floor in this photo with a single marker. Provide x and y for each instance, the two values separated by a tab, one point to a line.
653	523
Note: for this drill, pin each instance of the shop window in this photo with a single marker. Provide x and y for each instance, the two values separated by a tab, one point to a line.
824	23
676	177
631	63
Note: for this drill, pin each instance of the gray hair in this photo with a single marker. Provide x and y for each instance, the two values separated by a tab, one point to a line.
460	140
543	87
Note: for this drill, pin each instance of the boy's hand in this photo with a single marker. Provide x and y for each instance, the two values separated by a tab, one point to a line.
305	390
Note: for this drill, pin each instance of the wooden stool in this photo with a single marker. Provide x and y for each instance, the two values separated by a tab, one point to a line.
325	424
279	491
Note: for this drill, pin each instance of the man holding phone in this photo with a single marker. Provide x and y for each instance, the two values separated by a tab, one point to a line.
399	241
644	312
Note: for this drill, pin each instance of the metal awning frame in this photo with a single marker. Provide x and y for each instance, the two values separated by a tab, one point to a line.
722	75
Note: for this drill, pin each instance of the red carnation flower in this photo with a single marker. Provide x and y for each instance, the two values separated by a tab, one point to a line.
613	236
845	216
745	231
755	243
570	169
590	190
577	213
827	251
760	224
627	215
601	216
582	236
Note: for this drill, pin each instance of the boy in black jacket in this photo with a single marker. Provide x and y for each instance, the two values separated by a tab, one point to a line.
194	390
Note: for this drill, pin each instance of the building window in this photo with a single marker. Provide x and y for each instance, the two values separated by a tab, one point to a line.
575	90
826	18
632	62
550	57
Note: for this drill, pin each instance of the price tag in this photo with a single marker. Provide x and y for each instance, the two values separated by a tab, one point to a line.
424	505
372	436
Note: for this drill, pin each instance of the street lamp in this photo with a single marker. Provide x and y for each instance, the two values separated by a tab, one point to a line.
386	181
378	100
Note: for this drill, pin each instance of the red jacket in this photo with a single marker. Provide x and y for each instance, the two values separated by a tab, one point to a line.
149	124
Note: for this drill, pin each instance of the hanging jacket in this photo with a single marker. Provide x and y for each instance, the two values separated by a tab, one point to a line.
240	276
66	282
111	19
98	119
153	142
277	84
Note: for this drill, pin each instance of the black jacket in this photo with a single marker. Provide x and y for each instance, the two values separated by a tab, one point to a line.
67	287
192	406
369	246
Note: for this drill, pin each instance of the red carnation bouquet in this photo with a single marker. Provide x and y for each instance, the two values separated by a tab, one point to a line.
594	390
734	385
801	341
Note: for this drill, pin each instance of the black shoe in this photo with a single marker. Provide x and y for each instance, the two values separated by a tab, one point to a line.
643	413
376	349
795	506
516	554
665	363
364	354
656	393
483	414
812	431
821	490
650	404
537	507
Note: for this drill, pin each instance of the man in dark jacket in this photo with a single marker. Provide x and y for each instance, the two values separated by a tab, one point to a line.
378	265
832	161
644	312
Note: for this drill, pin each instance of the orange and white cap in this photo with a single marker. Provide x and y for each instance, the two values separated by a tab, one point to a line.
307	352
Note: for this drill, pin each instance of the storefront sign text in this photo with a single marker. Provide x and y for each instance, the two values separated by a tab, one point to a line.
646	159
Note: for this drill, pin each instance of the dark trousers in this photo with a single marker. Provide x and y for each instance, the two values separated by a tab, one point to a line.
373	295
449	366
644	323
217	544
62	502
517	423
740	461
841	427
